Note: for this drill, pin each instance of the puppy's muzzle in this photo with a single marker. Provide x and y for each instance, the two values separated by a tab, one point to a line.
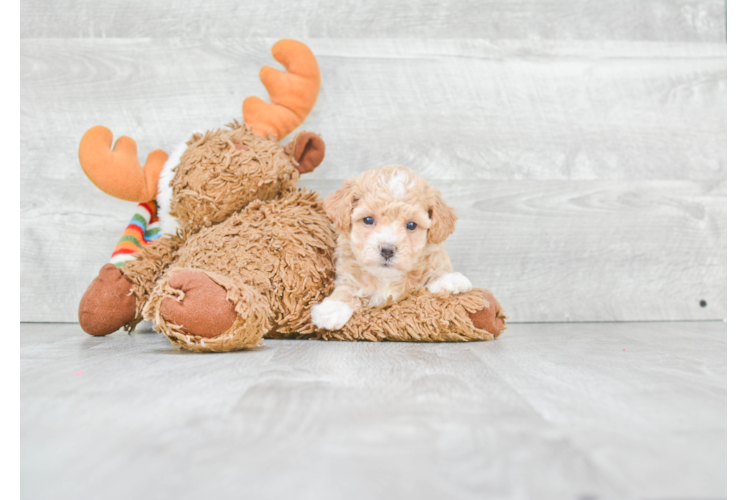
387	251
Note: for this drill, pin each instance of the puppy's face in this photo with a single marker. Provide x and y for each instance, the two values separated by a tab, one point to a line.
388	234
390	215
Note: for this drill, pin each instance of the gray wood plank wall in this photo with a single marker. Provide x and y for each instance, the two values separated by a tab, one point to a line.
581	142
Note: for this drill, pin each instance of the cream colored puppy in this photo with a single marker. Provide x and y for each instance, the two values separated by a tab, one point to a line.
391	225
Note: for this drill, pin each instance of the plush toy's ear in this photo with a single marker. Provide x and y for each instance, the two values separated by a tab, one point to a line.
308	149
339	205
443	218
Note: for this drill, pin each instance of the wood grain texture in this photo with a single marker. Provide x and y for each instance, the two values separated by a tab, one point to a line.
448	109
736	248
735	113
735	213
608	411
550	250
737	404
672	20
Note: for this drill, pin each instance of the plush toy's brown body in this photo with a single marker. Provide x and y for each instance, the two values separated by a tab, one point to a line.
253	253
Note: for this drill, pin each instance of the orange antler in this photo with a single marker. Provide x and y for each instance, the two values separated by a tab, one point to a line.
117	171
292	94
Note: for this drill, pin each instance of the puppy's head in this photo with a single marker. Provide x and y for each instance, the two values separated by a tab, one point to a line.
391	216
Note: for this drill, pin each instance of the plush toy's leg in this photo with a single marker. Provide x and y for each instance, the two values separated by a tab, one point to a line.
490	318
108	303
426	317
205	311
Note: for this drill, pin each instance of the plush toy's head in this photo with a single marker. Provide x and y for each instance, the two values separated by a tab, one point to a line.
222	171
218	173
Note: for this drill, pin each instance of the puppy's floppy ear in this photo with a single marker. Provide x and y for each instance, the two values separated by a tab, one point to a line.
443	218
339	205
308	149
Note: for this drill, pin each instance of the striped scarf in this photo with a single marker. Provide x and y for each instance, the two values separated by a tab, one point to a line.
141	231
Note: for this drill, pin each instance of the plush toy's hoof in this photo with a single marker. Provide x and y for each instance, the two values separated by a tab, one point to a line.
491	318
204	310
107	304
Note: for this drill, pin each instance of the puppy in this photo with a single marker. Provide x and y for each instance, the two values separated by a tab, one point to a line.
391	225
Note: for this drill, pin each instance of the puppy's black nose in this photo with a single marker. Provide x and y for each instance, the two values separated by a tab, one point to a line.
387	251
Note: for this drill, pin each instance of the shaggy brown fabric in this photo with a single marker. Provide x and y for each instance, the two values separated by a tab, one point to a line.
418	317
220	173
275	260
215	178
203	308
108	303
252	319
147	268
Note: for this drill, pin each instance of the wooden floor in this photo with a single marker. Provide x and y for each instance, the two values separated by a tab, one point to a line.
556	411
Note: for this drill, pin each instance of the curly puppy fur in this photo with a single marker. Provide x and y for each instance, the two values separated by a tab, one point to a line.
391	226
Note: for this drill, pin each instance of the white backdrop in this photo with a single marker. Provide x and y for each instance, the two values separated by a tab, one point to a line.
581	142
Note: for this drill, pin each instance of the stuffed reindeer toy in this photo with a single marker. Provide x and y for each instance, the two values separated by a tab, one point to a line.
243	253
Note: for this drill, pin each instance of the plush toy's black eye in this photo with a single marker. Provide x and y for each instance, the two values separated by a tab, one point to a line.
411	226
368	221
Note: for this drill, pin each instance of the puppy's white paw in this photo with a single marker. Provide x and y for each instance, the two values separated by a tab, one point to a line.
452	283
331	314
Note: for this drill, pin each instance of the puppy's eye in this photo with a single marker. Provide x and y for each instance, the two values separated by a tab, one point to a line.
411	226
368	221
